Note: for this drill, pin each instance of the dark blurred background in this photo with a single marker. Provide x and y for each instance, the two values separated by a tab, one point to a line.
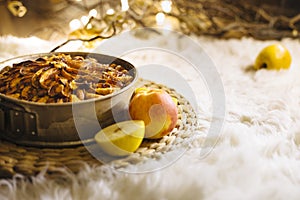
50	19
47	19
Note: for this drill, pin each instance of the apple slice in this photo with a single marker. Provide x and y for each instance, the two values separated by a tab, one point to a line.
122	138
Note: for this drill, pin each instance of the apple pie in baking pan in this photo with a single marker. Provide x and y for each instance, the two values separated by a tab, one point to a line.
62	78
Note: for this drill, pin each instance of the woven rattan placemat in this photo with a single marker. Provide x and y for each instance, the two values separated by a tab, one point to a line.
30	161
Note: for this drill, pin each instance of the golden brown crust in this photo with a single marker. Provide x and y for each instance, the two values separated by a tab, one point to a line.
62	78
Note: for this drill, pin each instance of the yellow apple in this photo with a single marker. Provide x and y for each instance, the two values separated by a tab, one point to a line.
274	57
156	108
122	138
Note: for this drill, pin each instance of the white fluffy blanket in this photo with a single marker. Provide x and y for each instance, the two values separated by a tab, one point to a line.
257	155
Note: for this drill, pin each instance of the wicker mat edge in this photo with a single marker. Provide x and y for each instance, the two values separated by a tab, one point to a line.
30	161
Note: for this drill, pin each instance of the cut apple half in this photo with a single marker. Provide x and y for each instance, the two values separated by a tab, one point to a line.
122	138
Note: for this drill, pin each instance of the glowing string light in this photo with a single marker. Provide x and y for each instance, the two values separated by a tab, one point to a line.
93	13
110	11
160	18
166	6
75	24
84	20
124	5
89	26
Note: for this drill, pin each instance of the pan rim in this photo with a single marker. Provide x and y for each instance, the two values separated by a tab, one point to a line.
79	53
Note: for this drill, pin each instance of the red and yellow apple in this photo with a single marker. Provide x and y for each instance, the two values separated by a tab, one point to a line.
156	108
